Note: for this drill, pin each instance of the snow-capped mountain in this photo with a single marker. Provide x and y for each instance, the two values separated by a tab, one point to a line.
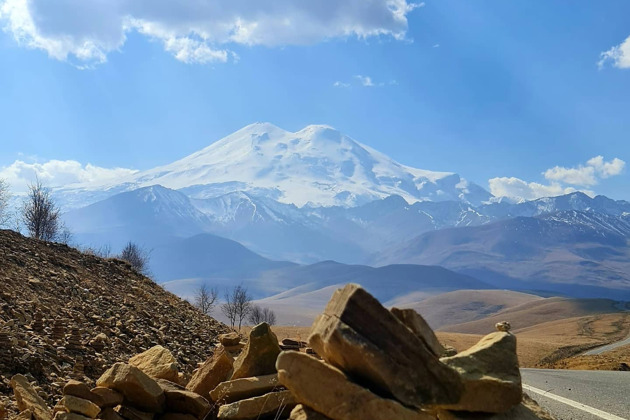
317	166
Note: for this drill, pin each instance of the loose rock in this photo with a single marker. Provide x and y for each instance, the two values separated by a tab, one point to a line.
137	387
274	403
490	374
260	353
156	362
28	399
214	371
240	389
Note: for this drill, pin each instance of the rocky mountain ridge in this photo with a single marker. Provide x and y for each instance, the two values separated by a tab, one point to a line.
66	314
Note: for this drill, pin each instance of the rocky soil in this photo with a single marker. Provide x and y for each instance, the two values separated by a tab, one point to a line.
65	314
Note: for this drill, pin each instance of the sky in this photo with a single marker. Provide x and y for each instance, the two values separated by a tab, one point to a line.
525	98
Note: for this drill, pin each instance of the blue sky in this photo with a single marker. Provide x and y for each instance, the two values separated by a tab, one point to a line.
522	93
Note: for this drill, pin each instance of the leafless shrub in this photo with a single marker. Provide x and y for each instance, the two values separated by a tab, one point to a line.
258	315
238	304
39	213
205	298
136	256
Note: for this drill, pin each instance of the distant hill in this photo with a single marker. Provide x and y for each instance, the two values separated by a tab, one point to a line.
464	305
538	312
577	253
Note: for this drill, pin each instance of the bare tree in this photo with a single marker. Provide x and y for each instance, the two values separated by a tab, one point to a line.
205	298
136	256
238	304
65	234
258	315
5	196
39	213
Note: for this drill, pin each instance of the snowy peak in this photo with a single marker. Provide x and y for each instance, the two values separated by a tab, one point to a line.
317	165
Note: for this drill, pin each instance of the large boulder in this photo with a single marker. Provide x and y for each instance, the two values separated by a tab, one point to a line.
240	389
157	362
490	374
81	390
213	371
362	338
28	399
275	404
180	400
260	353
328	391
136	386
77	405
109	397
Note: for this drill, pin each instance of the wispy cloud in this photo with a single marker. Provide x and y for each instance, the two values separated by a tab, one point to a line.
561	180
618	56
86	31
364	80
436	45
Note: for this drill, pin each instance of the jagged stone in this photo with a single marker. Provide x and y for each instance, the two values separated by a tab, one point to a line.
131	413
28	399
328	391
109	397
503	326
136	386
157	362
243	388
414	321
229	339
301	412
81	390
358	335
490	374
214	371
274	404
260	353
78	405
180	400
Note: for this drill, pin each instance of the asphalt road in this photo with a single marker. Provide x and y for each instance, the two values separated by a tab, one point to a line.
609	347
580	394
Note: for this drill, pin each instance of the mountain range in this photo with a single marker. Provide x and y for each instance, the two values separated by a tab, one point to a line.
265	199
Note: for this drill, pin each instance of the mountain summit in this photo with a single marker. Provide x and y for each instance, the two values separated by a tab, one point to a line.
317	166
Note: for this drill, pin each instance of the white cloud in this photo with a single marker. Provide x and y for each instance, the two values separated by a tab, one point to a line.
619	55
58	173
86	31
341	84
517	188
586	175
562	180
364	80
436	45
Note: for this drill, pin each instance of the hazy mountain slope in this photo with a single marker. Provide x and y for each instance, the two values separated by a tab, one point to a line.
207	255
463	305
556	252
147	215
